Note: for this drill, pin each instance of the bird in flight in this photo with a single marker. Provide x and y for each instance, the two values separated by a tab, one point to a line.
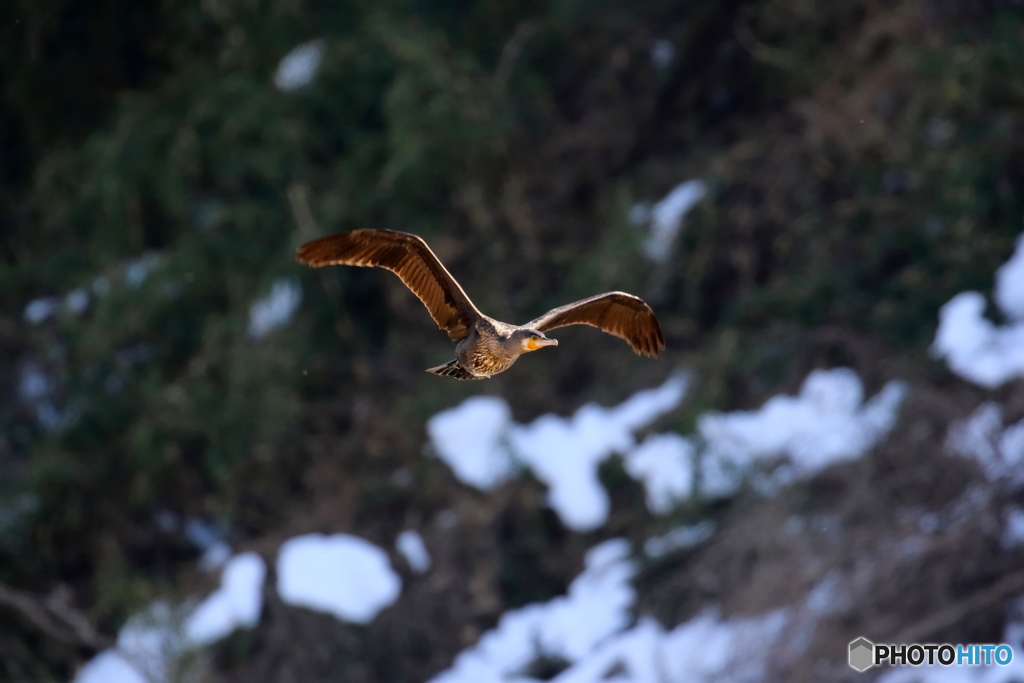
483	346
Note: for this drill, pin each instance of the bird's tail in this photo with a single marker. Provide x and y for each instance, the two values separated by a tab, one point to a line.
453	369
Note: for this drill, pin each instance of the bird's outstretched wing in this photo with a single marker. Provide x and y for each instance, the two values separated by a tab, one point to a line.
408	257
623	315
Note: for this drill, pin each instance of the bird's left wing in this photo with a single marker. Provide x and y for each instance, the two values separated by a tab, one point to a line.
408	257
623	315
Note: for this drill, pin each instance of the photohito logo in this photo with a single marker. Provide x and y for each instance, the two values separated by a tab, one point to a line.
864	654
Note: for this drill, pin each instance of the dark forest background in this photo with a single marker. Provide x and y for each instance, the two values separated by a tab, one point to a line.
865	163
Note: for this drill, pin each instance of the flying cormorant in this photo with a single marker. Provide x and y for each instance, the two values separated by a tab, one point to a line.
483	346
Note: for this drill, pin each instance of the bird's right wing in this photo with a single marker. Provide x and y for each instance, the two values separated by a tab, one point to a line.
617	313
408	257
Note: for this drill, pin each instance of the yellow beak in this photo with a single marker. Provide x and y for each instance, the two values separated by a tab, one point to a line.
535	344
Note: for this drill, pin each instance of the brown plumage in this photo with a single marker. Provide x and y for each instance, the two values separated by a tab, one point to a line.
483	346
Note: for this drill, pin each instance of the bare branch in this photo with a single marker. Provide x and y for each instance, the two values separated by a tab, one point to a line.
55	616
920	632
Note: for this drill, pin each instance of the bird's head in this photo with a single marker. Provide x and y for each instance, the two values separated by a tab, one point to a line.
531	340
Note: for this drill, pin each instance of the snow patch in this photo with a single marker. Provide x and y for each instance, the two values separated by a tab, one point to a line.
208	537
482	445
152	642
1013	532
982	437
973	347
1009	294
565	453
109	666
679	538
410	544
665	465
662	53
707	648
236	603
137	270
39	310
202	534
569	627
76	301
215	556
34	384
298	68
151	645
341	574
470	439
666	217
827	423
36	388
275	309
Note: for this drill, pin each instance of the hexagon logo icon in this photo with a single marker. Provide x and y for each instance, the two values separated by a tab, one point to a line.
862	653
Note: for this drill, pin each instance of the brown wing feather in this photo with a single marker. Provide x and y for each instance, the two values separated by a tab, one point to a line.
408	257
623	315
